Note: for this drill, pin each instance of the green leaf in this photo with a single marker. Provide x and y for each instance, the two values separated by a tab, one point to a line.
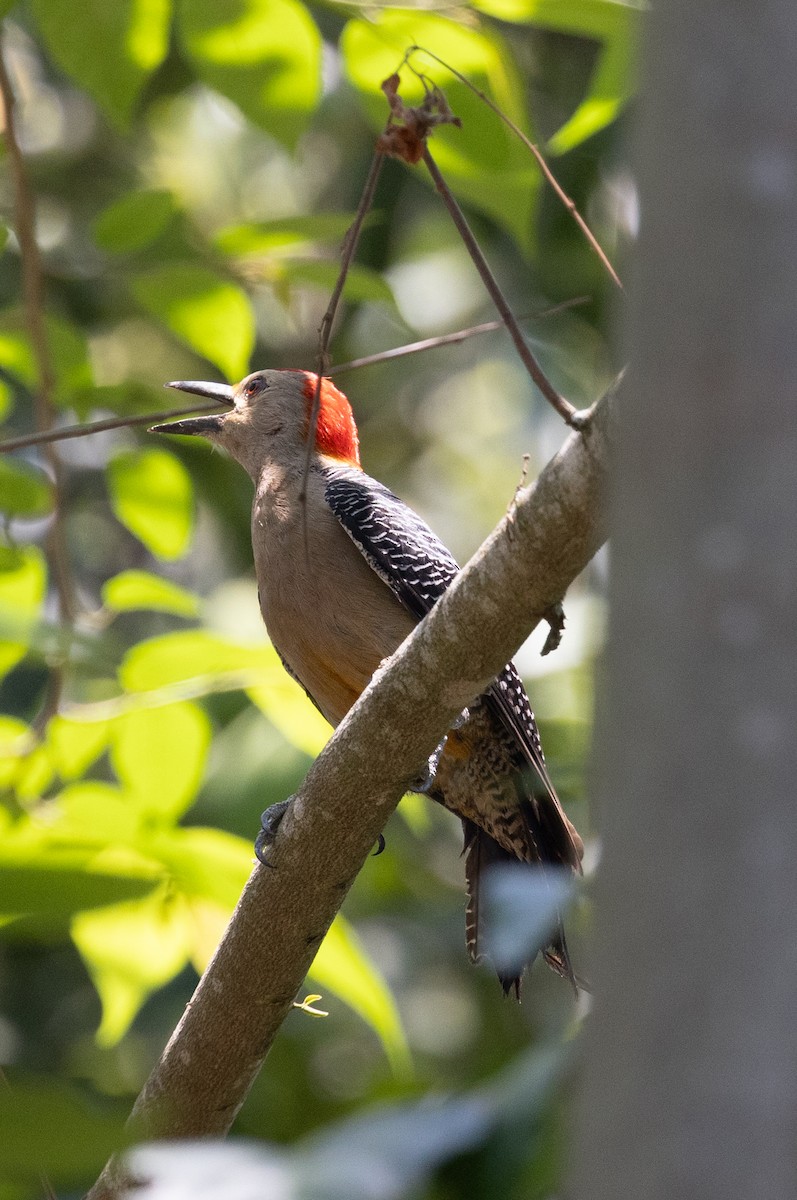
202	658
343	967
415	810
98	813
616	25
5	399
67	347
72	746
25	766
23	580
208	313
16	740
130	590
64	881
159	756
483	162
267	236
134	221
129	951
288	707
207	864
175	657
35	774
25	491
264	55
108	49
52	1131
151	494
361	282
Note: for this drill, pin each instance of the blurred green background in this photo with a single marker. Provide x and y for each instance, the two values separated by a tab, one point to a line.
194	169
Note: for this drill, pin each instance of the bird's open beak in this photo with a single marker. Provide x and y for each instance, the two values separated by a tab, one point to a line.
222	393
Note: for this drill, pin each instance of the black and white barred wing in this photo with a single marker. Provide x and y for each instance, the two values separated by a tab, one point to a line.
418	569
397	544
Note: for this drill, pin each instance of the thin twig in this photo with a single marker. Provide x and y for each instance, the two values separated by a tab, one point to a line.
348	251
33	291
562	406
66	432
566	200
446	339
170	693
76	431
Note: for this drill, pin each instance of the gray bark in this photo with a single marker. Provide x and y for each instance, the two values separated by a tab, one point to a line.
691	1074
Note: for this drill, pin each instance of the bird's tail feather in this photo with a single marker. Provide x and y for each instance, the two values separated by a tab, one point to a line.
482	851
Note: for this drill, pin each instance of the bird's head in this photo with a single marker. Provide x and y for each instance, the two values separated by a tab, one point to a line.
268	419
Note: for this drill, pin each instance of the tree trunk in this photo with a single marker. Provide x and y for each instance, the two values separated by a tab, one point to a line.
691	1077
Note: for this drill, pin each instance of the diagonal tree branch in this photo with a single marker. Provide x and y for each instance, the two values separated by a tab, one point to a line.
549	534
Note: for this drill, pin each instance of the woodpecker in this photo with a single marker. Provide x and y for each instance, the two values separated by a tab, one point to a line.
345	571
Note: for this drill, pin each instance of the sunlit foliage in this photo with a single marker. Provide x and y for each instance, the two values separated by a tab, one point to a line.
195	167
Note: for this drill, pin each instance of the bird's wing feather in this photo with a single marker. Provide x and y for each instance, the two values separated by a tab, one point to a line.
395	542
418	568
506	697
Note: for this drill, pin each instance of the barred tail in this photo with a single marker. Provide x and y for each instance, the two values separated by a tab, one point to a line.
481	852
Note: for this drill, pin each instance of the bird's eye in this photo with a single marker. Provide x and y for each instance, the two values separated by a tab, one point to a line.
254	386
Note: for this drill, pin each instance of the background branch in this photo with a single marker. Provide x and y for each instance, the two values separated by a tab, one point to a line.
527	357
33	289
548	536
548	174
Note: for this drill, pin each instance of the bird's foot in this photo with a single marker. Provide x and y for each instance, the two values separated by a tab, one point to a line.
269	824
555	616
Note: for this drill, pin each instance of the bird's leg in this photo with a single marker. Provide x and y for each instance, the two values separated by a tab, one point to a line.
424	782
269	824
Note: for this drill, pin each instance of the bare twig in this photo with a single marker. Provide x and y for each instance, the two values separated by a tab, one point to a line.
66	432
446	339
76	431
33	288
170	693
348	251
562	406
566	200
328	832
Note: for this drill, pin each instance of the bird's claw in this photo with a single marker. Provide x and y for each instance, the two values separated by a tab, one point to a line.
269	824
